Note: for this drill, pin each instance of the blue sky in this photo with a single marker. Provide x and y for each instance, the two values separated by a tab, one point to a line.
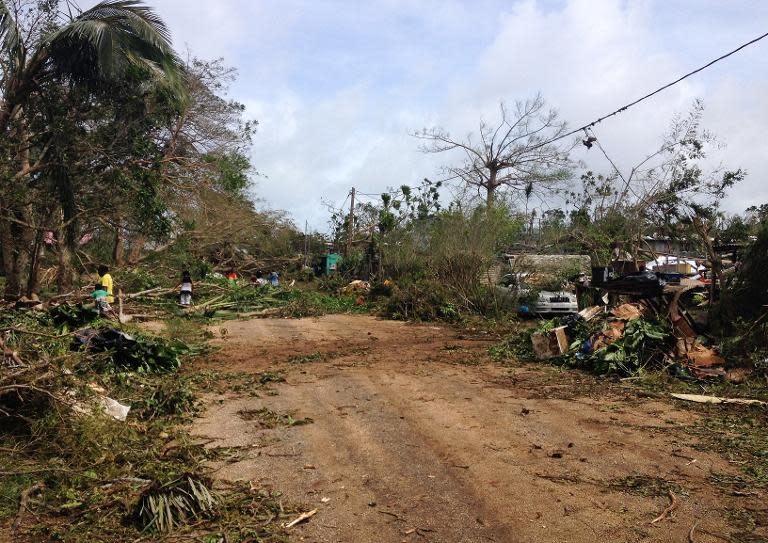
338	85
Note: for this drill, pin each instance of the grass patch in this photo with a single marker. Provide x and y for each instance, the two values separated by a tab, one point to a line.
271	377
269	419
739	435
317	356
644	485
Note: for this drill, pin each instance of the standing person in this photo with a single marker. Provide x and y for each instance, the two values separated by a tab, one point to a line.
106	279
232	277
274	278
186	288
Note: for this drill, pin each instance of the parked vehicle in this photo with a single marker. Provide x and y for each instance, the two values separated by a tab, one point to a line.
513	290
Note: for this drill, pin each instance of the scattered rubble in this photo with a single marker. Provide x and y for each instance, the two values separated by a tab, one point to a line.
648	325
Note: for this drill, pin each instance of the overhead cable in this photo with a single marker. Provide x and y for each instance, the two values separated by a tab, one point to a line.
650	94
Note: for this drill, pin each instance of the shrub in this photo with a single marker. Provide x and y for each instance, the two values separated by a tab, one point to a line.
421	301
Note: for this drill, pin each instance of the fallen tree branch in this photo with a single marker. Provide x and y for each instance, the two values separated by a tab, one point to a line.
156	290
301	518
673	503
23	501
690	532
9	353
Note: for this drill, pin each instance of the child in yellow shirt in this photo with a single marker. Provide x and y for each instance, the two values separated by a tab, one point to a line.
106	280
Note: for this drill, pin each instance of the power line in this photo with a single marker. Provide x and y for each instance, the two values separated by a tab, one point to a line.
650	94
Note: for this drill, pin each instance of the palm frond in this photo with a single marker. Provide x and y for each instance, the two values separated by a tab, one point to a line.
165	508
10	36
102	42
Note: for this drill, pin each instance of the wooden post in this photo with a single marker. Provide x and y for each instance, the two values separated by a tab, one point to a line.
120	305
351	231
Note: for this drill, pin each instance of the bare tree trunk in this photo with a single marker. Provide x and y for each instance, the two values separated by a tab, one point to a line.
33	280
118	249
490	197
25	238
134	255
12	281
490	188
65	273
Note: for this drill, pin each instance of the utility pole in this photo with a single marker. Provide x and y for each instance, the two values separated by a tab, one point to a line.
351	231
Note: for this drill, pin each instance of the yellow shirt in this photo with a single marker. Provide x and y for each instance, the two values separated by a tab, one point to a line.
106	280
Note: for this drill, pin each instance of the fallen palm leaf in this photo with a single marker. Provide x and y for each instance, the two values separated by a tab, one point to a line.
164	509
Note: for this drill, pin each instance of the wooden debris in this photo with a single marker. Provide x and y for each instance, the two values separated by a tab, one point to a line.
627	312
562	339
149	292
550	344
673	503
301	518
23	501
588	313
700	356
698	398
10	353
690	532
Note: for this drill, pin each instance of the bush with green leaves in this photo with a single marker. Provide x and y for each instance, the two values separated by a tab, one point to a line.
421	301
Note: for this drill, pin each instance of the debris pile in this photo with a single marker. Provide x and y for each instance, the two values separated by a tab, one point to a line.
650	325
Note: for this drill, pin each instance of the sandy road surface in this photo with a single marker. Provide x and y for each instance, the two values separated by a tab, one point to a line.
416	436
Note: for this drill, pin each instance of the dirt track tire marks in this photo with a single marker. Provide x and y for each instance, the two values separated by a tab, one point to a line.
405	438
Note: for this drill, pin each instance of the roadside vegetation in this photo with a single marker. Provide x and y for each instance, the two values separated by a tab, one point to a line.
117	150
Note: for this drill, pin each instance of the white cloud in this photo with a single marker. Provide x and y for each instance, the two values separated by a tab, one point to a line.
338	86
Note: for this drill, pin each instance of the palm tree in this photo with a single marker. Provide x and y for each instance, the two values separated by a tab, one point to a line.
93	46
43	49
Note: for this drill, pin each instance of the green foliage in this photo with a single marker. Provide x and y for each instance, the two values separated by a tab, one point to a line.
139	279
143	355
71	316
642	344
312	304
444	260
172	397
109	479
350	267
747	295
421	301
515	347
232	170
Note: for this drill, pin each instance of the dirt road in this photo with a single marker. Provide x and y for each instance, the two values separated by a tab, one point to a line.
417	436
